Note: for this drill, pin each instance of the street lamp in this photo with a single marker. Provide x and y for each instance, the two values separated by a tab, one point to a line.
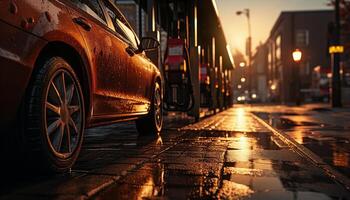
246	12
297	55
242	64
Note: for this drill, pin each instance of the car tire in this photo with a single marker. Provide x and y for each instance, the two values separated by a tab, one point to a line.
152	123
54	117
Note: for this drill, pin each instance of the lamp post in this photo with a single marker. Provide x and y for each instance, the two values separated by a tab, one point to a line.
297	55
335	57
246	12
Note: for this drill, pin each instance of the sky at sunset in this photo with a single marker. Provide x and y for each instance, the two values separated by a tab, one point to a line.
263	14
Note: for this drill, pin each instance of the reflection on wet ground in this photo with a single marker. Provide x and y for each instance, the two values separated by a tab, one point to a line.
118	145
227	164
227	156
324	132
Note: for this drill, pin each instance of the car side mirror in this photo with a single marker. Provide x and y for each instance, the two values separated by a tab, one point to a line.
148	43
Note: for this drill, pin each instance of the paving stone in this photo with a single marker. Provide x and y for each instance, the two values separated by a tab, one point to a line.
226	156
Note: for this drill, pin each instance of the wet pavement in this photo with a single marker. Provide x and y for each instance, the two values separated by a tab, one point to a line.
321	129
230	155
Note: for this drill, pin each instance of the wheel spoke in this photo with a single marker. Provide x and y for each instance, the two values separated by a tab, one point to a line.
64	88
157	107
57	92
157	97
53	126
158	113
68	139
59	139
70	93
72	123
53	108
155	101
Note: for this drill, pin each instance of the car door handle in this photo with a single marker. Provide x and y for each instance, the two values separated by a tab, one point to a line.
130	51
83	23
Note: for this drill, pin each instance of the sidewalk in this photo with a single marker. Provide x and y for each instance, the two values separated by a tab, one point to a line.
228	156
323	130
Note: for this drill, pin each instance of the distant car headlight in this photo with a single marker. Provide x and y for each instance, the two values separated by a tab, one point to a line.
241	98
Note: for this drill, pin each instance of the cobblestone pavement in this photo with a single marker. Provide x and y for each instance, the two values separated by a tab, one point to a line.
230	155
323	130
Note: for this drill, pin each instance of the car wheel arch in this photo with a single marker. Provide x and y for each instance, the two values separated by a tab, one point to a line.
77	62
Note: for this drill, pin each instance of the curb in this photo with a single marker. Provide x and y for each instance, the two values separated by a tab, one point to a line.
303	151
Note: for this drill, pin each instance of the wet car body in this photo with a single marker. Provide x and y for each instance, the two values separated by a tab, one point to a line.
116	77
106	72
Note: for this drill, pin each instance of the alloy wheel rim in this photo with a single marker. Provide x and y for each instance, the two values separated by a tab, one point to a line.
158	108
63	114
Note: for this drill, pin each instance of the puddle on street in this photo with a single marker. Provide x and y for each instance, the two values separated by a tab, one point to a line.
330	142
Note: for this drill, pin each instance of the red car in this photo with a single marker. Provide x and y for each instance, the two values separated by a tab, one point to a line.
67	65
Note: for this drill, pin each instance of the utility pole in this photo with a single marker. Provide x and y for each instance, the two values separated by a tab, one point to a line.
249	48
335	59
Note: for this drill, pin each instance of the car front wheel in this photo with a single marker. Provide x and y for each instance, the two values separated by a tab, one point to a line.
54	117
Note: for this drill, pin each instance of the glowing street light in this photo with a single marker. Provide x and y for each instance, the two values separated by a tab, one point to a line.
243	80
297	55
242	64
273	87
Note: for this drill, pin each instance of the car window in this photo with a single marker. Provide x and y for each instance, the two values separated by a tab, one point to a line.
128	32
121	26
113	17
92	7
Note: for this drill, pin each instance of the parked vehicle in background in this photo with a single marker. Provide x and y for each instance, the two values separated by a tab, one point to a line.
68	65
321	80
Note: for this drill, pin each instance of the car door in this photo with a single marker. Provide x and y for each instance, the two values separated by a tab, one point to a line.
109	68
143	92
139	69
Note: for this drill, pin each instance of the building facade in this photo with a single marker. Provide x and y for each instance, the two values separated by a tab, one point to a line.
304	30
260	73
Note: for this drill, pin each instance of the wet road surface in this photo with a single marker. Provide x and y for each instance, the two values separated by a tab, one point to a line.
323	130
227	156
